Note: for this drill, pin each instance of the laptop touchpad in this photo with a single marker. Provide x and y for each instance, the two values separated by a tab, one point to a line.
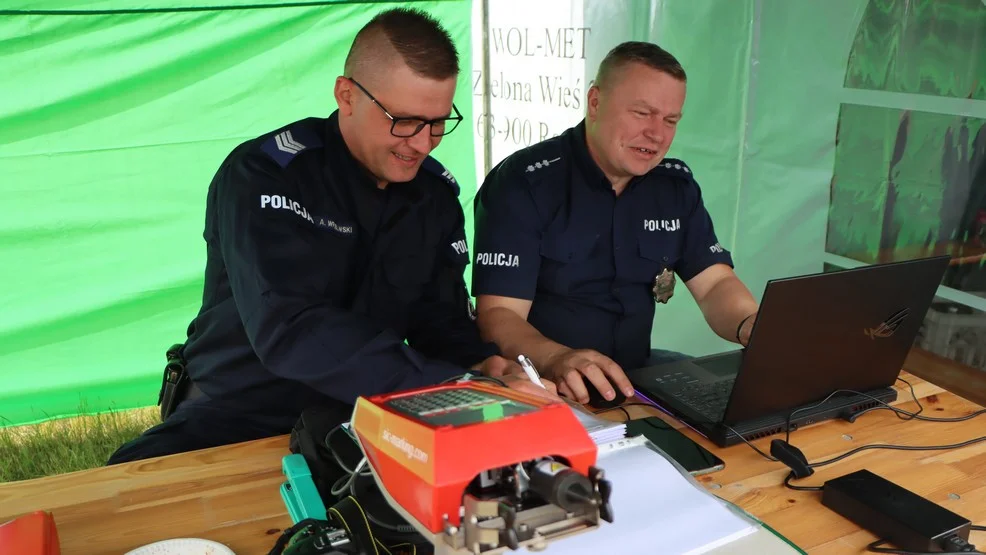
723	366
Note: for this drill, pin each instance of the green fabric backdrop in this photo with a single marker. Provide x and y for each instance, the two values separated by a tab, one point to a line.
111	126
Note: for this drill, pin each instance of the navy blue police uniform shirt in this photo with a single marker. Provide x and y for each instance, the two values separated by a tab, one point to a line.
550	229
315	277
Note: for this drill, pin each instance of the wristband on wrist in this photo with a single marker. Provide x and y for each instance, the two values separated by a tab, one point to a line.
740	327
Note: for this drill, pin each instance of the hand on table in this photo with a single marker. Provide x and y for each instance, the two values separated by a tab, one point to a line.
521	382
497	366
510	373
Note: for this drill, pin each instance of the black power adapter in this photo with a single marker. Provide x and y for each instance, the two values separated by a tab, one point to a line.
896	514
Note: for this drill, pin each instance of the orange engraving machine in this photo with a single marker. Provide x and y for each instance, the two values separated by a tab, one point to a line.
478	468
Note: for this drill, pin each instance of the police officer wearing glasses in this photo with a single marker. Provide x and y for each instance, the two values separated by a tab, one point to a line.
331	242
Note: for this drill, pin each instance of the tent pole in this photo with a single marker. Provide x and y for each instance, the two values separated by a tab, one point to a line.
487	116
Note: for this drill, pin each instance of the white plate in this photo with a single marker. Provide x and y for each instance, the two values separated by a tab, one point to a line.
183	546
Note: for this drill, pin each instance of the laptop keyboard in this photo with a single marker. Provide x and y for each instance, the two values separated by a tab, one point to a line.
708	399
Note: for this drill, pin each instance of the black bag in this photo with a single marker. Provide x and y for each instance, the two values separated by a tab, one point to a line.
332	456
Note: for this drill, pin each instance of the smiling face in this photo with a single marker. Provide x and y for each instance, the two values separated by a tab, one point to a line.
366	129
631	121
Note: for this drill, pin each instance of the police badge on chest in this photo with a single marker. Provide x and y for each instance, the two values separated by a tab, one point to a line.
663	286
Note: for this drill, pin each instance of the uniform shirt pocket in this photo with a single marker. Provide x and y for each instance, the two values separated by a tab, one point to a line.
655	254
566	261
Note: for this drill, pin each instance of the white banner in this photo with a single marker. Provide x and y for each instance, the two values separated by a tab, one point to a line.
537	74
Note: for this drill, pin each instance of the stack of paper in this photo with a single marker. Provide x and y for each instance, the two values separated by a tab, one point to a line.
600	430
656	509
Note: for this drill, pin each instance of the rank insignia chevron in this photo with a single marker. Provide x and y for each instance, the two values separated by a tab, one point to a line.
287	144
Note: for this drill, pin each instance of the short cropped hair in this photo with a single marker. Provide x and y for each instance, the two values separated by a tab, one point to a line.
647	53
421	41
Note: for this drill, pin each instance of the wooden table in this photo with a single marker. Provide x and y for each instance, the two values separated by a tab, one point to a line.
955	479
230	494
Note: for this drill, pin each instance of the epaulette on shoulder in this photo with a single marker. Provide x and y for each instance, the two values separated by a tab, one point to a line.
289	142
674	168
435	167
536	162
534	166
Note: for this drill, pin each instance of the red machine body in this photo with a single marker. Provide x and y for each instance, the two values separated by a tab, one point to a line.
30	534
426	445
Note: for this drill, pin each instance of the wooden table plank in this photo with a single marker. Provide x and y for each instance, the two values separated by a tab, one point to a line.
230	494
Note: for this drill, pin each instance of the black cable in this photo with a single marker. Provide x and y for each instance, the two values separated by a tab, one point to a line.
898	413
907	415
789	485
348	482
858	449
916	416
878	446
790	416
754	447
623	408
875	547
627	414
898	448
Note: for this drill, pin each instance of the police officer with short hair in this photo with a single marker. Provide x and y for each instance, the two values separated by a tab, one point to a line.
579	235
327	248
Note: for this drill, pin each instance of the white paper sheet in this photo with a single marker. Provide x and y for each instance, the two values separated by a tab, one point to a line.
600	430
655	510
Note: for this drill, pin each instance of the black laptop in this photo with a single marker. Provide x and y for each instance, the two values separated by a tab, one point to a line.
814	335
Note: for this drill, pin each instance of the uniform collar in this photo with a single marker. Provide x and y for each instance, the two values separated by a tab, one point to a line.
588	167
339	153
583	159
341	159
363	185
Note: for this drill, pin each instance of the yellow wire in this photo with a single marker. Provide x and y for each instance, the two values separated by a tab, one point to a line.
376	542
414	548
344	523
384	547
361	512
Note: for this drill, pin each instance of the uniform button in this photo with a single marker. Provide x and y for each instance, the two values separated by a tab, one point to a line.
617	247
616	290
665	259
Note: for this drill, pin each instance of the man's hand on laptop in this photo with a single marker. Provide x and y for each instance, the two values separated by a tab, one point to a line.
567	366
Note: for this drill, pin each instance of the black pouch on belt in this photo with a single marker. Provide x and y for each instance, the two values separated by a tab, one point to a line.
175	382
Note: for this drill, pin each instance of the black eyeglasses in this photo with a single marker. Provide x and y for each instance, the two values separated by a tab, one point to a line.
409	127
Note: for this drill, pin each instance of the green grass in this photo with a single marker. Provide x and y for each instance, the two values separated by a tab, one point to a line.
68	444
